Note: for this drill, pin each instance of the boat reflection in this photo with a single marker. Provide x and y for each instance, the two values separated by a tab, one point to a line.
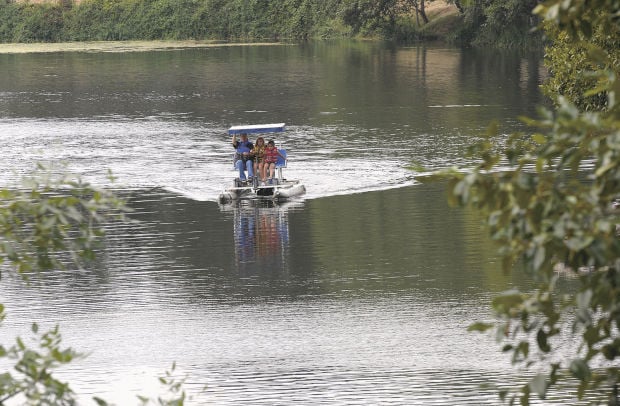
261	235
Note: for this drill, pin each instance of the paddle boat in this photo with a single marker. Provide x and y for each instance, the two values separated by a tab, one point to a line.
277	189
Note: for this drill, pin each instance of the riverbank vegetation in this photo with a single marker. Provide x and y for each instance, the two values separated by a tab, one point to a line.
552	203
485	23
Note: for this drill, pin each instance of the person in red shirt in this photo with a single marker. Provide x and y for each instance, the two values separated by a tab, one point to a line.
270	158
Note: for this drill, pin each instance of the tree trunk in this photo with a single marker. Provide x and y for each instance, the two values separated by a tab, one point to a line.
414	4
422	12
459	7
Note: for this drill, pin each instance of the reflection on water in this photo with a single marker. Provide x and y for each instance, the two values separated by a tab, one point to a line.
261	235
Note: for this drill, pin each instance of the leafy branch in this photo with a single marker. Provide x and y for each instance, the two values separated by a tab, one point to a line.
550	202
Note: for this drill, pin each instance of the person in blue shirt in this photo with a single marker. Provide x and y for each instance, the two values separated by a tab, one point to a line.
243	157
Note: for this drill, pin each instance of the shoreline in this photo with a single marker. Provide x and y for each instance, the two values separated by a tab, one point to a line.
121	46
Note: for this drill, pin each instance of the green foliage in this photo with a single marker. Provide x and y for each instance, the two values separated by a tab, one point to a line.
365	16
553	212
170	19
50	222
25	22
174	388
9	16
483	22
572	60
129	19
97	20
32	380
499	23
50	217
39	224
392	19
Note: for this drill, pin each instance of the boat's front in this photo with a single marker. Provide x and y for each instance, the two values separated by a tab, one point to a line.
281	189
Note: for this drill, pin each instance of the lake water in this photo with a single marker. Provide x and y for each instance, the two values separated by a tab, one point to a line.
360	293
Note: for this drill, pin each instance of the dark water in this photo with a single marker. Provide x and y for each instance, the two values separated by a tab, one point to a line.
358	294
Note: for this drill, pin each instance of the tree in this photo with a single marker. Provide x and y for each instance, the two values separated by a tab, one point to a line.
371	15
50	224
553	212
419	7
502	23
571	61
457	4
368	16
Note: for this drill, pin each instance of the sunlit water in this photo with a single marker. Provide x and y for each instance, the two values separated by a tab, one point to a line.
359	293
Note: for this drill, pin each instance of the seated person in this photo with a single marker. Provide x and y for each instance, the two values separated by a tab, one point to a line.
259	160
243	157
271	157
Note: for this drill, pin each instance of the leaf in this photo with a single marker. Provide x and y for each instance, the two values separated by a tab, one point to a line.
100	401
502	395
578	243
507	263
597	54
601	170
539	138
539	257
586	28
479	326
508	300
417	167
579	369
523	348
541	339
583	299
539	385
525	398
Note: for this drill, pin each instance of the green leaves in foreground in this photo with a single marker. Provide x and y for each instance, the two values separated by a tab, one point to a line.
48	224
31	380
550	201
174	386
53	221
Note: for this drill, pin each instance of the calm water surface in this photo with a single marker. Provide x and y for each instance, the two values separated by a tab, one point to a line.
358	294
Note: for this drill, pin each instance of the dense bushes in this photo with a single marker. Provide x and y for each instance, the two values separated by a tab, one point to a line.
482	22
200	19
571	60
30	22
498	23
168	19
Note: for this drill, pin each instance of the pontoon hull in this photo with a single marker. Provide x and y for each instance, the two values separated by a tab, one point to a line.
281	191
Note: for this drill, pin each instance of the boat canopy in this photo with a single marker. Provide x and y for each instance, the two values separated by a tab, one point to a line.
257	128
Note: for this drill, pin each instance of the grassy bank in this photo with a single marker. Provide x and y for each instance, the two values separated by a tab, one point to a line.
119	46
444	19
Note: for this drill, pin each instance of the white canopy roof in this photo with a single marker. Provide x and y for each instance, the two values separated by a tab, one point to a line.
256	128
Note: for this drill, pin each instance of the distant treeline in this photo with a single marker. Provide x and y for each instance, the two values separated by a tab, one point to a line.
97	20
